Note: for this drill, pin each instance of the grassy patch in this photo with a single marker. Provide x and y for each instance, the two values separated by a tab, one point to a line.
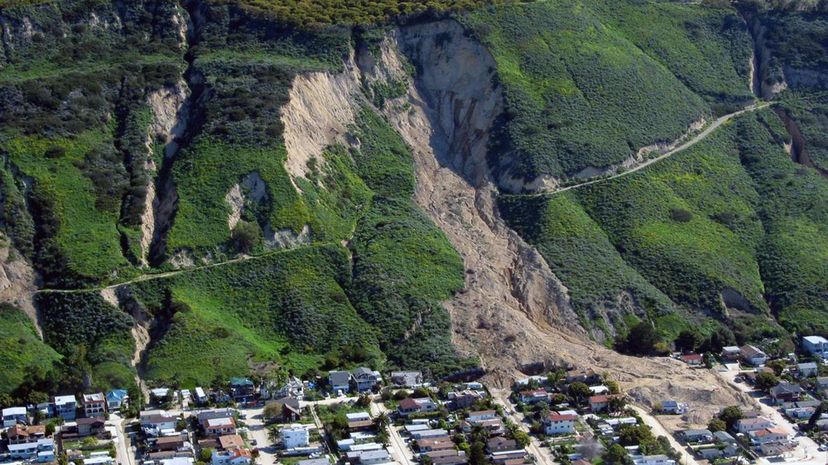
578	93
21	350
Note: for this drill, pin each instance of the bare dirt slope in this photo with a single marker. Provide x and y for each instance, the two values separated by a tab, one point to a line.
514	311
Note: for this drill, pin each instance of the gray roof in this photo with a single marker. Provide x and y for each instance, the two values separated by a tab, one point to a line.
786	387
697	432
339	377
314	462
724	436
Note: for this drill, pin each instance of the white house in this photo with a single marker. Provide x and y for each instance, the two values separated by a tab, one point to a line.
746	425
29	450
14	415
482	415
239	456
768	436
295	437
652	460
156	422
815	345
673	407
94	405
753	355
807	370
66	407
556	423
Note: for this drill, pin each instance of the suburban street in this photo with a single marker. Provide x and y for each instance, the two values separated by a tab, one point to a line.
256	430
807	451
543	455
124	454
399	449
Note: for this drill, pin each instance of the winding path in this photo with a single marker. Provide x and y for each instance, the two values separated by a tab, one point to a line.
693	141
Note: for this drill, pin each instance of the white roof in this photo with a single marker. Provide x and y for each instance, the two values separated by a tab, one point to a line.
98	460
199	392
358	416
178	461
219	421
14	411
60	400
22	447
816	339
731	349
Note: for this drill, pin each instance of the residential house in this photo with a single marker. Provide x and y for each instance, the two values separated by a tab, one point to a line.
156	423
500	444
652	460
219	426
411	406
800	413
753	355
215	413
672	407
409	379
816	346
370	457
430	434
340	381
94	405
238	456
447	457
14	415
320	461
295	437
697	436
431	444
30	450
91	426
785	392
507	457
116	398
359	421
556	423
482	415
293	388
730	354
768	436
290	409
582	375
693	360
807	370
464	399
170	443
160	395
200	396
746	425
599	403
494	426
712	453
66	407
20	434
242	389
534	396
822	383
365	379
724	437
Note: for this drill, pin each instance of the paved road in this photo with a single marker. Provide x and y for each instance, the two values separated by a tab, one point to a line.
399	449
686	145
256	430
660	430
123	453
542	455
807	451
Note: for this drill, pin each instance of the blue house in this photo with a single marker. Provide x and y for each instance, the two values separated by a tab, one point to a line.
116	398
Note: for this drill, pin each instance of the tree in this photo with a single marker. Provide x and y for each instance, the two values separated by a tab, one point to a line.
642	339
617	403
477	453
50	429
246	236
616	455
630	435
521	438
687	341
730	415
579	391
778	366
206	455
613	386
765	380
716	424
272	411
363	401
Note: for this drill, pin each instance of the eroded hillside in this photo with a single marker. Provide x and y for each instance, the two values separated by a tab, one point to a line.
199	174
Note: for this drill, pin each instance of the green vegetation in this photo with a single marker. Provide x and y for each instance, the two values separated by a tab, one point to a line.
21	350
92	334
809	111
730	221
288	307
579	93
351	12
